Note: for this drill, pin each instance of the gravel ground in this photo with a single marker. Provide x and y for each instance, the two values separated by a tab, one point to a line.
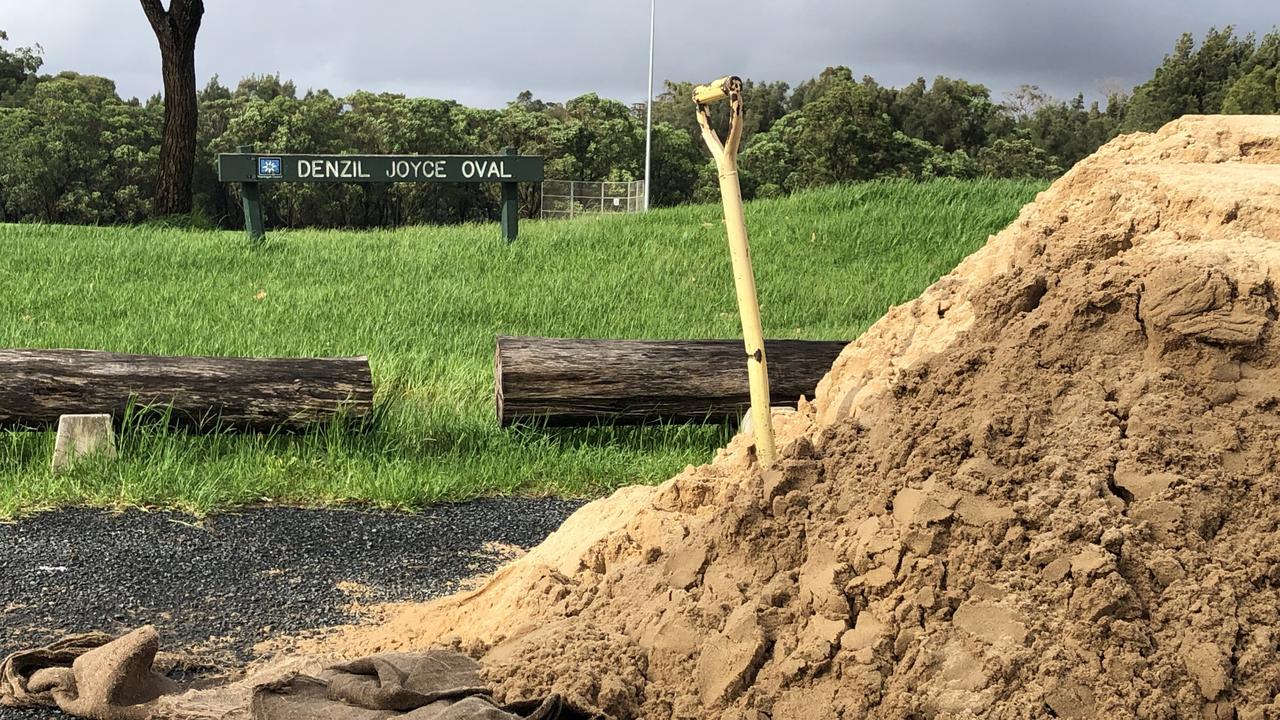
219	585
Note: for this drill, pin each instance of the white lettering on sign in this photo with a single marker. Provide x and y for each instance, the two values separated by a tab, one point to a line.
341	169
398	169
415	169
485	169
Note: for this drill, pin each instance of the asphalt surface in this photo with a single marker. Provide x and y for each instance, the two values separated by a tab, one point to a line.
216	587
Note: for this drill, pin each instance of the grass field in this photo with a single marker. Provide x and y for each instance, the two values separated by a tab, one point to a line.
424	304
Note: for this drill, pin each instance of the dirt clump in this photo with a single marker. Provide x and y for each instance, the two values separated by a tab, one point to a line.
1049	486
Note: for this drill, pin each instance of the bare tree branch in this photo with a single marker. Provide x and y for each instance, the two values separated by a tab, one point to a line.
187	14
156	15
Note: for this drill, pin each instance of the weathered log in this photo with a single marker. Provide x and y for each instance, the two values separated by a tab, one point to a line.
37	386
564	382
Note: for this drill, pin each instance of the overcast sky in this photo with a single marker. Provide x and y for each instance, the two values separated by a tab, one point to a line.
483	52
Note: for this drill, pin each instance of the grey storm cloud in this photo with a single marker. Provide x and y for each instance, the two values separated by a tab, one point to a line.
485	52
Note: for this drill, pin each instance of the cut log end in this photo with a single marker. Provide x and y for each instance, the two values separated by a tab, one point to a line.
497	382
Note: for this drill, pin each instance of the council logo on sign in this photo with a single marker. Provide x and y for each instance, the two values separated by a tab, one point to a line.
270	167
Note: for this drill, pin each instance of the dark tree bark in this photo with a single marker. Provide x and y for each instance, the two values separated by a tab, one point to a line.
37	386
556	381
176	29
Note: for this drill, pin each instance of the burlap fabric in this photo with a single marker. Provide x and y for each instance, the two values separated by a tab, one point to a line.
100	677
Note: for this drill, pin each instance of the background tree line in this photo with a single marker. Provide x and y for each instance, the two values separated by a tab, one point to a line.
73	151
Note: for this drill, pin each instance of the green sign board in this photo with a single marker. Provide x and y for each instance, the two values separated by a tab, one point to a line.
250	168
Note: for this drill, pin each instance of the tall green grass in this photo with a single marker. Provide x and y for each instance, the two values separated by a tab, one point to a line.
424	304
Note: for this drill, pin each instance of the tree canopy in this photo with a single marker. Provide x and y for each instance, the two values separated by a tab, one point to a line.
73	150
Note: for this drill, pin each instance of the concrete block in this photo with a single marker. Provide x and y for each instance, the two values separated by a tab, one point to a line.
83	436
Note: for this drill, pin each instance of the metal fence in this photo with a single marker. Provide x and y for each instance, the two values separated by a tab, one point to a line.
570	198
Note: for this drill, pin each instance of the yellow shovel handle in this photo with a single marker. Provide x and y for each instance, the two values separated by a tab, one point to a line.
744	280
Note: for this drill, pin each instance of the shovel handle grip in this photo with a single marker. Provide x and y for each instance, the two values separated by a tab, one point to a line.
716	91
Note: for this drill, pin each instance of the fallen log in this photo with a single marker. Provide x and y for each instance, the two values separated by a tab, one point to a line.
565	382
38	386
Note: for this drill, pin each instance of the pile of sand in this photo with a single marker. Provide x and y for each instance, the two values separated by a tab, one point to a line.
1048	486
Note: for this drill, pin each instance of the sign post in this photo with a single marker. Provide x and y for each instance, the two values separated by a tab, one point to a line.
252	201
510	204
251	169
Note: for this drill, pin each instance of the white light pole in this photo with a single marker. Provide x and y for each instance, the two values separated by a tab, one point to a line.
648	107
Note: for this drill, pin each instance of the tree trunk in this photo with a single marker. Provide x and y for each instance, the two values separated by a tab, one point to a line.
564	382
176	31
37	386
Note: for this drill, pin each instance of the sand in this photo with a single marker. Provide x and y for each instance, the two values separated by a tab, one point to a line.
1046	487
